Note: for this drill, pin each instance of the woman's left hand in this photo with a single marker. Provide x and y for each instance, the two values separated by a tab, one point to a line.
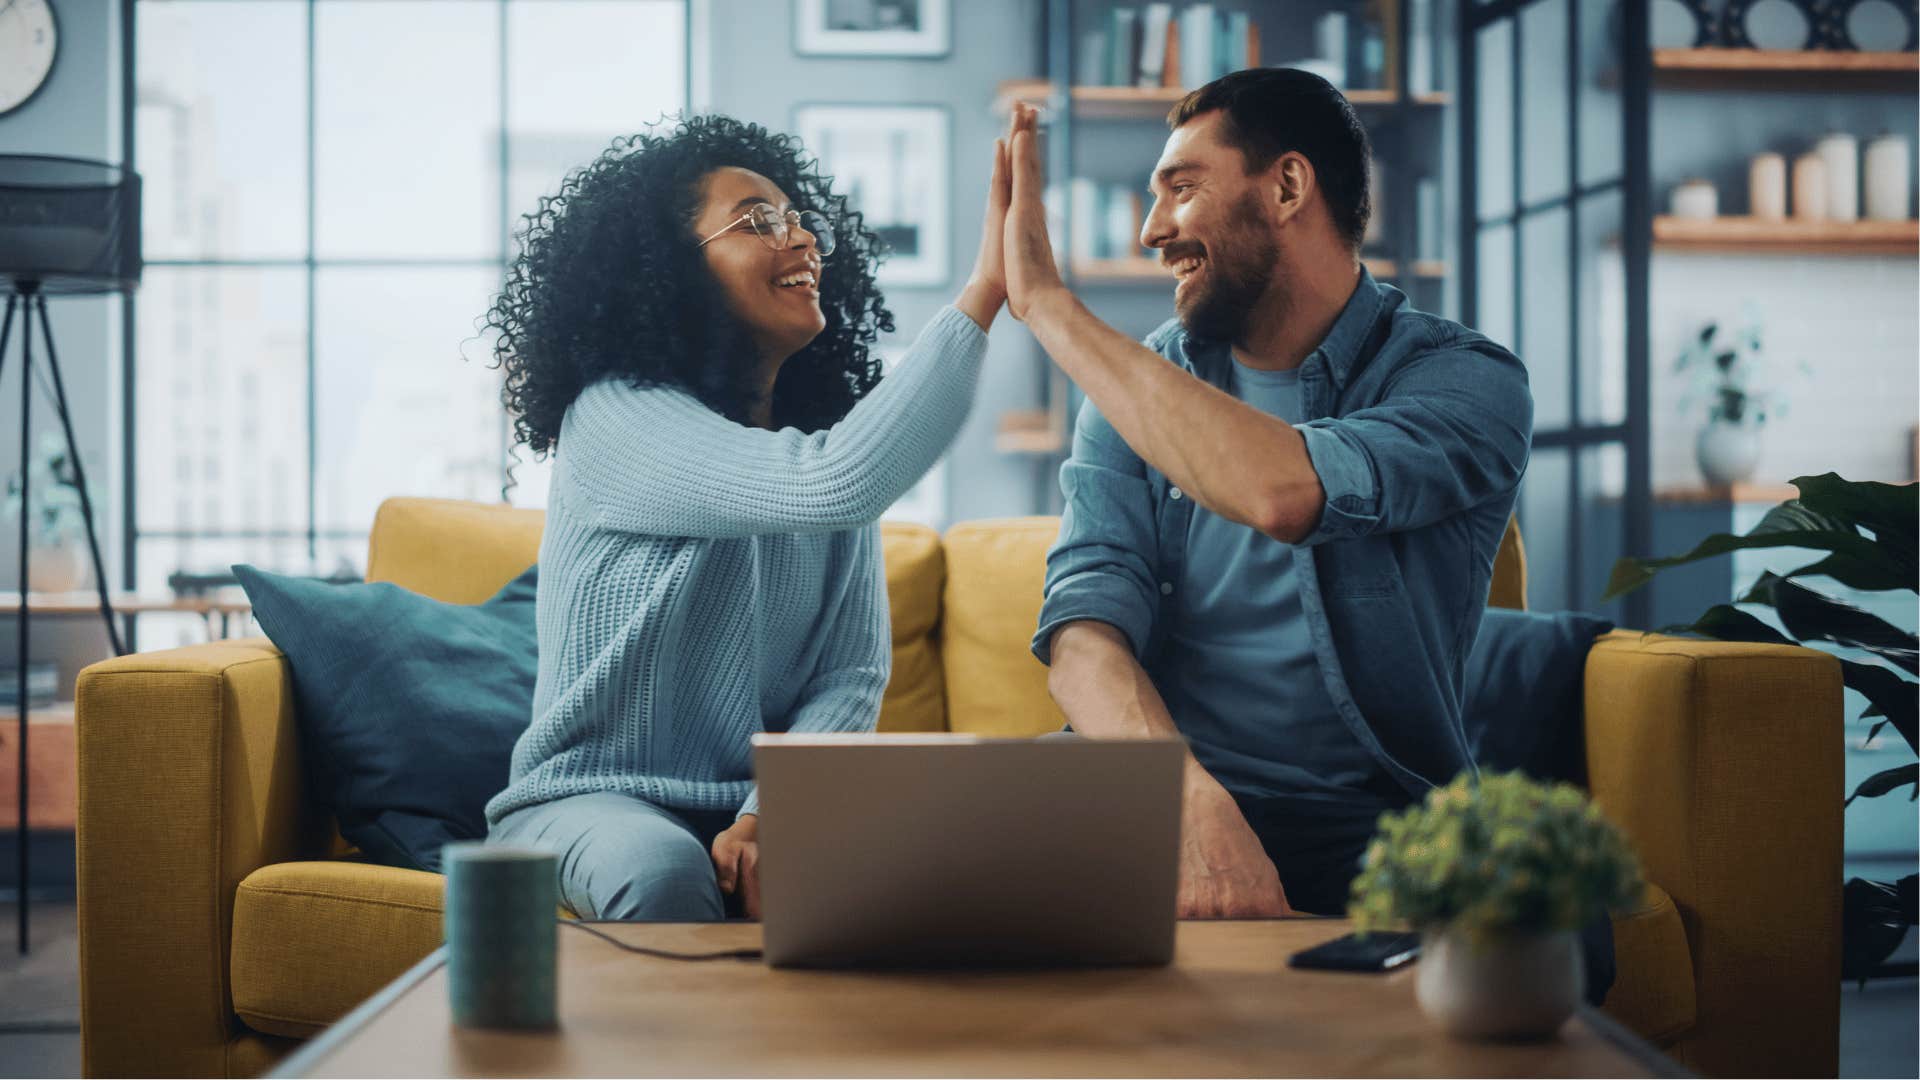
736	861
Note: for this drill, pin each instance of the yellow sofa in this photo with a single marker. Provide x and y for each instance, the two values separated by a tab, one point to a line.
222	920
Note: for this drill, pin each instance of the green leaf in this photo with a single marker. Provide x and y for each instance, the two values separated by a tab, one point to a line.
1631	573
1870	574
1827	517
1813	616
1889	510
1886	780
1724	622
1892	696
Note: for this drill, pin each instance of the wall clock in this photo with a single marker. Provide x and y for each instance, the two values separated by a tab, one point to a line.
28	40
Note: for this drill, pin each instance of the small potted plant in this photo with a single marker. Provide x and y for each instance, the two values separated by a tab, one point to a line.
1727	367
1498	873
56	527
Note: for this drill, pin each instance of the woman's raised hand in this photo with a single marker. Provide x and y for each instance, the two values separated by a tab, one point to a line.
986	287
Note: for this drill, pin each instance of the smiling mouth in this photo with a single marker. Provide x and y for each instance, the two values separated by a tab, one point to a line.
799	279
1186	266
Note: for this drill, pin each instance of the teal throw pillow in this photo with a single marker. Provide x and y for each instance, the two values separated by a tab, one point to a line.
408	707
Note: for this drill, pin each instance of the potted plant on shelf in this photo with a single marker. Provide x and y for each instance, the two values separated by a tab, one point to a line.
1868	534
1498	873
56	529
1726	365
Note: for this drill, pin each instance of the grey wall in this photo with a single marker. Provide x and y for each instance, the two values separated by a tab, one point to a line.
76	113
992	40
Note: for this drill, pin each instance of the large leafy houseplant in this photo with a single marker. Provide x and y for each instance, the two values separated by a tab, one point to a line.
1867	532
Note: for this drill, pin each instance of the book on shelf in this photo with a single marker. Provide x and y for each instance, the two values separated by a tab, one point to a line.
1428	242
1422	47
1197	59
1102	220
1166	45
1123	55
43	683
1155	19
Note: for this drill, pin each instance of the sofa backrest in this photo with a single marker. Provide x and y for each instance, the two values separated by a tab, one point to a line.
964	609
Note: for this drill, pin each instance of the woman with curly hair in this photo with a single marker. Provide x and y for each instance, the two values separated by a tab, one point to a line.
688	329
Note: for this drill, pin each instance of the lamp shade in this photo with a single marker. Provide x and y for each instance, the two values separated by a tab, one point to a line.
68	225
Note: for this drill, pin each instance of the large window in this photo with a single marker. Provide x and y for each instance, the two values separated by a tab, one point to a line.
331	191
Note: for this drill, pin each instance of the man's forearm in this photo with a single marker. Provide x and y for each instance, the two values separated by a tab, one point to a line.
1106	694
1235	460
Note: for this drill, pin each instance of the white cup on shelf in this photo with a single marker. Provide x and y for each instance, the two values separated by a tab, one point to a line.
1841	152
1886	179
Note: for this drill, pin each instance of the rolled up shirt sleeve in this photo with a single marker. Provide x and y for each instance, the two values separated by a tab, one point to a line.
1454	430
1102	566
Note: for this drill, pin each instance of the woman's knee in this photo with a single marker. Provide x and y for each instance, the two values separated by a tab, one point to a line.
654	870
670	882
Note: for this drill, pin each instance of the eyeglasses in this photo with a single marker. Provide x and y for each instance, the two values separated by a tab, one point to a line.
775	229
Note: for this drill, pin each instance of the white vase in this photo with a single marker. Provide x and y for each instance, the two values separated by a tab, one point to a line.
57	568
1516	986
1728	452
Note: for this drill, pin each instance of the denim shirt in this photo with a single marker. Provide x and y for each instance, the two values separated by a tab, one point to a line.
1419	430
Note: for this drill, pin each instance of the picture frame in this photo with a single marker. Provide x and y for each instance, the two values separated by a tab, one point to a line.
891	163
872	28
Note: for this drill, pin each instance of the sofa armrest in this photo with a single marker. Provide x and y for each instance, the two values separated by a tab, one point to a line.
1722	763
189	780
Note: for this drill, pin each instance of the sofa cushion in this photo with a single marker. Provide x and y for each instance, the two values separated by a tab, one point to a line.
995	574
408	707
916	572
313	939
452	550
1653	989
1525	684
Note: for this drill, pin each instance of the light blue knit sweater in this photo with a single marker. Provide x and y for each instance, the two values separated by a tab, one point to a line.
701	581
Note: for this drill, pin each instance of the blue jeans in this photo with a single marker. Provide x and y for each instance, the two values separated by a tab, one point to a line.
624	858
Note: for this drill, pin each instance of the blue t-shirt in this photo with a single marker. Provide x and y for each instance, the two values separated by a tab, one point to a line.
1238	671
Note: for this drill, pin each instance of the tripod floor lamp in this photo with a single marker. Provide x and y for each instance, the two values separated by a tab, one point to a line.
68	227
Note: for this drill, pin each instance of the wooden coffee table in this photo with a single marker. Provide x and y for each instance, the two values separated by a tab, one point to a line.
1228	1006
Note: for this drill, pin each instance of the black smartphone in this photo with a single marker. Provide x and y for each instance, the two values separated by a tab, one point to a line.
1359	952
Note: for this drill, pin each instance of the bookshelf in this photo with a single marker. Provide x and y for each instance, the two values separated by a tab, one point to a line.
1096	111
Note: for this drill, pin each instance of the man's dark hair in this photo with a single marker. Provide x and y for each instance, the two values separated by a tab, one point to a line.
1270	111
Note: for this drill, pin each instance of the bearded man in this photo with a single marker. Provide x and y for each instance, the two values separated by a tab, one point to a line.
1282	509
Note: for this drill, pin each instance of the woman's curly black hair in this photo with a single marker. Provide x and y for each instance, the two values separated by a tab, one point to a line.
610	281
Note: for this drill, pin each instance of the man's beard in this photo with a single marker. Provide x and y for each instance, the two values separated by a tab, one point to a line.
1239	271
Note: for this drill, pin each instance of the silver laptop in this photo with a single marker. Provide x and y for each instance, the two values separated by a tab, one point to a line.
939	850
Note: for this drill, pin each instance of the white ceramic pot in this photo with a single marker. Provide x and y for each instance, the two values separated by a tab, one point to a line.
1728	453
1519	986
57	568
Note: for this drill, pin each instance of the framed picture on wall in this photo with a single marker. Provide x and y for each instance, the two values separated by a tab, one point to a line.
890	161
871	27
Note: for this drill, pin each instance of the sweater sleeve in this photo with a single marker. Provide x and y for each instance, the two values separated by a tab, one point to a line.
657	461
851	675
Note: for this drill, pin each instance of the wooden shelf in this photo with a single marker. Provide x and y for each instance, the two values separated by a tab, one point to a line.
1153	102
1788	237
1143	270
1813	61
1029	431
1769	494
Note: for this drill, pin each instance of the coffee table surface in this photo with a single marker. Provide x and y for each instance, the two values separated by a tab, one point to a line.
1228	1006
